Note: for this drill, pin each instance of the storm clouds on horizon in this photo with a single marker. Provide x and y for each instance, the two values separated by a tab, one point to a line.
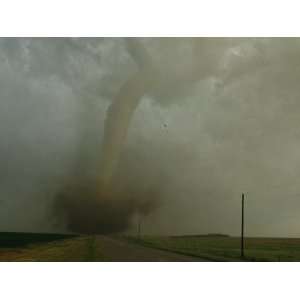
217	117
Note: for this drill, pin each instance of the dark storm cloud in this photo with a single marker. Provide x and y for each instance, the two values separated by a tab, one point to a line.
220	119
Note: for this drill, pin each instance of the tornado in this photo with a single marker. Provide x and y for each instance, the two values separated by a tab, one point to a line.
149	77
120	112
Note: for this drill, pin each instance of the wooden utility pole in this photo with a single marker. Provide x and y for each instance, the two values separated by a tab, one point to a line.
242	227
139	227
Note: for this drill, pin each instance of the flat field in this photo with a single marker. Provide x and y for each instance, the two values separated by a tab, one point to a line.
58	247
47	247
228	248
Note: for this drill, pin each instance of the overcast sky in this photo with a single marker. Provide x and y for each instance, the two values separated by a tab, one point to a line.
221	117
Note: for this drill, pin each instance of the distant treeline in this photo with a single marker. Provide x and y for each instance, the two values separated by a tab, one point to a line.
18	239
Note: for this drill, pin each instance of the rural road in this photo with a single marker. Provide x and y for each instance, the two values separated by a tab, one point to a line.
91	248
121	250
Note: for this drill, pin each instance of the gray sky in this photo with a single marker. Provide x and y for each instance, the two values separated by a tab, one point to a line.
221	118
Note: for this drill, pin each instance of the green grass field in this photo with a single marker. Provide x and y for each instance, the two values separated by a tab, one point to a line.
228	248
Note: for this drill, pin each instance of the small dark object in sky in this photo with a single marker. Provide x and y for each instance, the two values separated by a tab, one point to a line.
165	125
